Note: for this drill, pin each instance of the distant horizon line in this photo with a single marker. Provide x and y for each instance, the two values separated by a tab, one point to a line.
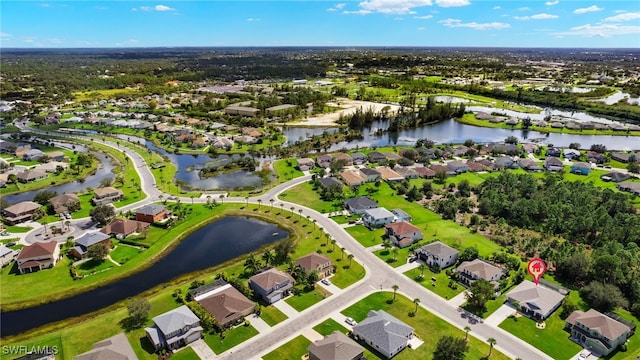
313	47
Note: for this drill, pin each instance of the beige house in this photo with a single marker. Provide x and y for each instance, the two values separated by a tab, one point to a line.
31	175
21	212
226	304
62	203
314	261
336	346
471	271
597	332
38	256
106	195
535	301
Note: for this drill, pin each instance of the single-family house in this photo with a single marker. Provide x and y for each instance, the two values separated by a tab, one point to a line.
246	111
403	233
392	156
106	195
87	240
7	255
281	110
174	329
535	301
336	346
595	157
271	285
352	177
471	271
425	172
437	168
460	150
457	166
359	204
580	168
389	175
597	332
628	186
370	174
321	264
152	213
346	159
529	165
488	164
55	156
324	161
33	155
553	164
31	175
570	154
305	164
615	176
624	157
529	148
383	332
330	182
7	147
359	158
406	172
437	254
65	203
377	217
121	228
475	166
505	162
20	212
401	215
114	348
376	157
554	151
225	303
38	256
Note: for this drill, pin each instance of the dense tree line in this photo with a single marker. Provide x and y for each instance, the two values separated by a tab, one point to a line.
429	113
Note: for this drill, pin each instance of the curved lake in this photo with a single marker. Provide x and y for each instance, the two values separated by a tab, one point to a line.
103	171
211	245
451	131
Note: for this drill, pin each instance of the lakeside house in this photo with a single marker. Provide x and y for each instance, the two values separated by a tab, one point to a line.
114	348
106	195
319	263
7	255
21	212
271	285
226	304
38	256
31	175
121	228
174	329
152	213
87	240
62	203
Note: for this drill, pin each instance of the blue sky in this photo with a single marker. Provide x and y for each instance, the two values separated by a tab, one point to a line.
535	23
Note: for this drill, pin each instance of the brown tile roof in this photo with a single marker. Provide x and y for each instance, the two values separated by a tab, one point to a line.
336	346
594	320
425	171
124	226
268	279
482	269
352	177
402	228
227	305
105	191
312	261
23	207
63	199
38	249
386	173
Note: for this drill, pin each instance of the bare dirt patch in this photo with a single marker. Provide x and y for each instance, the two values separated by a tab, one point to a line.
348	107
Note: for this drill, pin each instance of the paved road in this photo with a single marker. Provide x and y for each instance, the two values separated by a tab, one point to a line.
378	276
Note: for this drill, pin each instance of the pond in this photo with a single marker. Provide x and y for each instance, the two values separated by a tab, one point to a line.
93	181
211	245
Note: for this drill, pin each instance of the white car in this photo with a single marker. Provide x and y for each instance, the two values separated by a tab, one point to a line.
350	321
326	282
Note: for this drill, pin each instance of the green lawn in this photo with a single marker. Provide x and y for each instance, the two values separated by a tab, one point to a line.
272	316
304	194
440	286
328	326
633	344
391	258
232	338
552	340
307	299
185	354
293	350
365	236
427	326
123	253
18	229
341	219
90	267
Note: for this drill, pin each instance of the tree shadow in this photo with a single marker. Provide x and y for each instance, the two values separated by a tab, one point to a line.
146	345
129	324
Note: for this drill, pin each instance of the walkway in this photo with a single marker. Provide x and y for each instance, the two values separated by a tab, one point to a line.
500	315
286	308
258	323
202	349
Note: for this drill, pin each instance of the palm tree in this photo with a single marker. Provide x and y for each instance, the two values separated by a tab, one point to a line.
208	199
416	301
492	342
342	249
466	333
247	200
281	207
222	198
300	213
395	289
422	267
267	257
395	253
251	264
350	257
192	196
67	223
271	201
259	203
314	224
333	242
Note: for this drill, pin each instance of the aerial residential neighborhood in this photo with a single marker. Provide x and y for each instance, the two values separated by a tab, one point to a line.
270	199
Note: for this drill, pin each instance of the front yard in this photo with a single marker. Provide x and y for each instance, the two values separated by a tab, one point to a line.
440	286
231	338
293	350
271	315
306	299
328	326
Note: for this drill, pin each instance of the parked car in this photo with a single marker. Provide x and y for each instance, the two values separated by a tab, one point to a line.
326	282
350	321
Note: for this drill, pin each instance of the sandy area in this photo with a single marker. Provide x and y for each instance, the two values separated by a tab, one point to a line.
348	107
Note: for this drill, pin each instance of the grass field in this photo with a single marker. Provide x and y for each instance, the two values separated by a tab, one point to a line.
123	253
427	326
293	350
105	94
328	326
231	338
185	354
440	286
306	299
272	316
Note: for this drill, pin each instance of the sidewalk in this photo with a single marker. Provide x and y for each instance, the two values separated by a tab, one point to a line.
202	349
406	267
286	308
499	315
258	323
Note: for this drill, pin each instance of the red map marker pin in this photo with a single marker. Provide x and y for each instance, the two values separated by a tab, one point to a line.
536	268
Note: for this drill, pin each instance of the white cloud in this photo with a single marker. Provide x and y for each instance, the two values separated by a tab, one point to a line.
146	8
628	16
86	43
128	42
592	8
358	12
602	30
332	9
392	6
421	28
541	16
163	8
496	8
424	17
524	9
253	19
452	3
551	3
340	6
5	36
45	5
456	23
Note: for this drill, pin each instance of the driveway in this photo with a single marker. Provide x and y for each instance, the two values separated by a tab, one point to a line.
500	315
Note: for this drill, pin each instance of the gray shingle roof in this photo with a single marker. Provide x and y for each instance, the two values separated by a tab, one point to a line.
439	249
379	213
336	346
384	330
89	239
175	319
150	209
535	297
360	202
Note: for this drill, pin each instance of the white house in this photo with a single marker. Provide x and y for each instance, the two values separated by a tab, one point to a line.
437	254
377	217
